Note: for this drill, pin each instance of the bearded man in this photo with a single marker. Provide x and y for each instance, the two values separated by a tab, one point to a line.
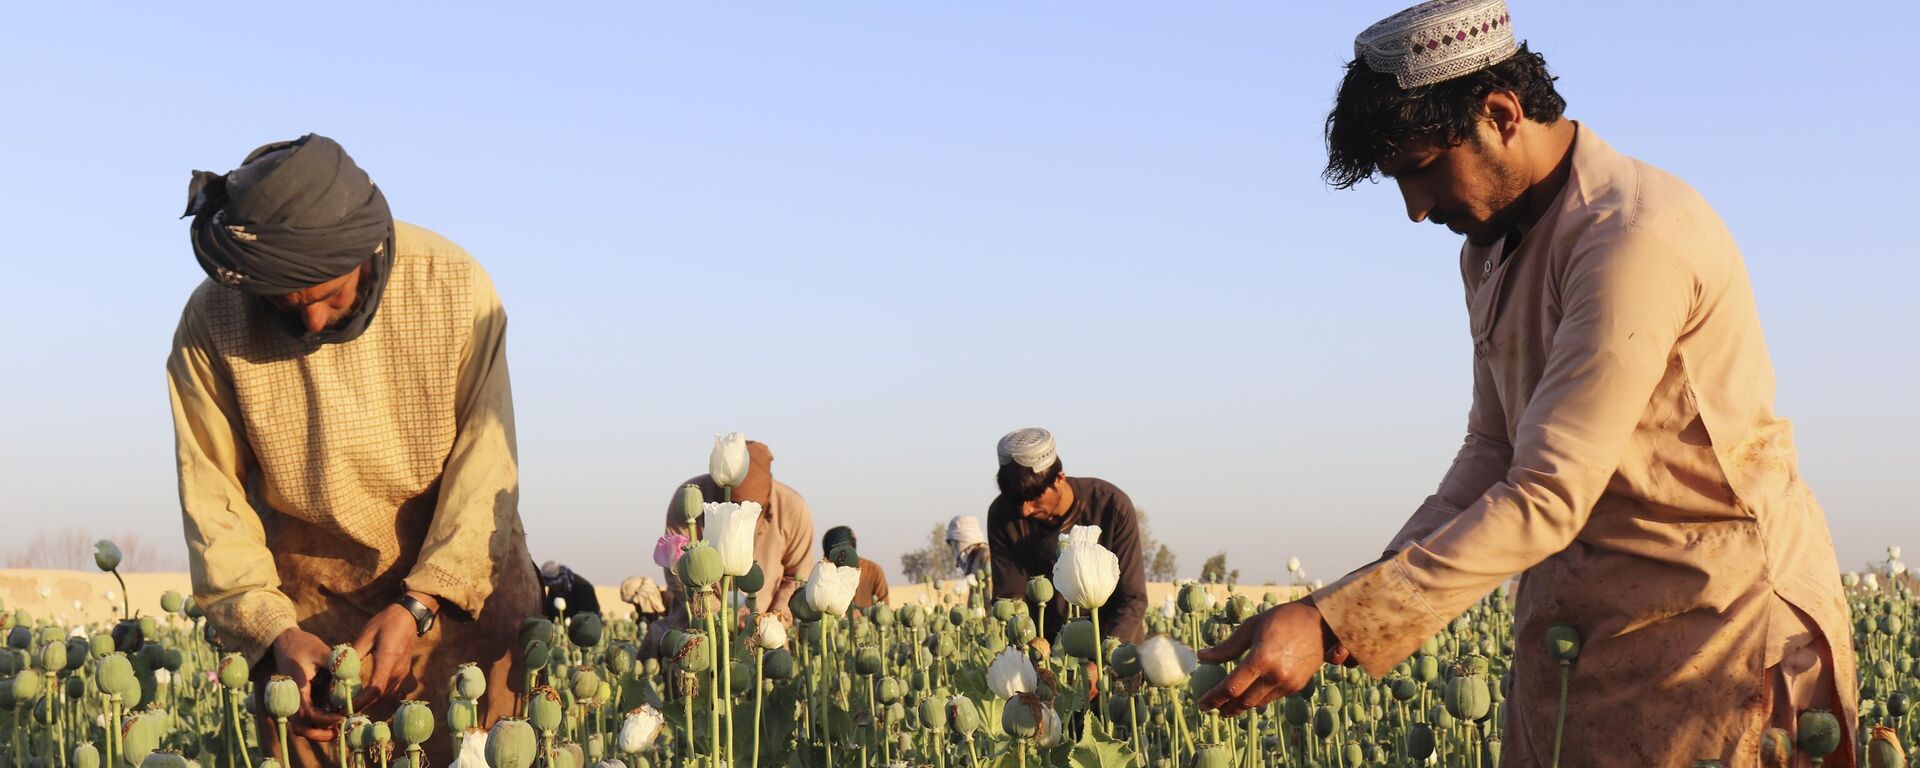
1622	454
344	435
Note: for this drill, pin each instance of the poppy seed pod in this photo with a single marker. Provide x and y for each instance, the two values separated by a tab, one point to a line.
233	672
140	735
700	567
752	581
85	755
891	690
283	697
1039	590
1003	609
344	663
1020	630
777	664
1079	640
114	675
584	630
106	555
164	758
866	661
1563	643
52	656
1215	756
1420	741
1467	697
963	715
359	731
584	684
24	685
692	503
1023	716
1325	722
511	744
469	682
1204	678
462	715
1883	749
1193	598
413	722
1125	661
544	709
1819	733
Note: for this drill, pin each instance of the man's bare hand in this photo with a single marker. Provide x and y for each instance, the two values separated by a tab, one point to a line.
302	656
1279	651
386	654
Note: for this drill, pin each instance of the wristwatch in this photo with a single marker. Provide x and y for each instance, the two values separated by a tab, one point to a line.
422	615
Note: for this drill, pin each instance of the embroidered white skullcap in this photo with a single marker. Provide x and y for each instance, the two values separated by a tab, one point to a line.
965	531
1437	41
1031	448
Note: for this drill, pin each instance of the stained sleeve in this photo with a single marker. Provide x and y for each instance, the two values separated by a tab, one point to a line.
233	573
1627	297
480	486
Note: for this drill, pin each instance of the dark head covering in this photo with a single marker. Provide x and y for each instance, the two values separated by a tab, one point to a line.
294	215
838	543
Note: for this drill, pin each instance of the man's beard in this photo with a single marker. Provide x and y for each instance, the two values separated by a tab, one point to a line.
1505	202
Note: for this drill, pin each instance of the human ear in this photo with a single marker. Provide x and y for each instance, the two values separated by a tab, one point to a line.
1504	110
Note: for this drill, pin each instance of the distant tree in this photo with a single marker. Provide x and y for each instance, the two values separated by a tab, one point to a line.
1163	566
932	562
1214	570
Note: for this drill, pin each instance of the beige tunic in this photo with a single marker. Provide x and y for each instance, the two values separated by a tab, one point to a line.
1622	453
318	484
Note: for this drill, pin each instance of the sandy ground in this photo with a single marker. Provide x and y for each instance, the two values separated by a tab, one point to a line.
82	597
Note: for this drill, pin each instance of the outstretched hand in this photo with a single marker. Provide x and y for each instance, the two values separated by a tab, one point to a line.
385	646
1279	651
302	657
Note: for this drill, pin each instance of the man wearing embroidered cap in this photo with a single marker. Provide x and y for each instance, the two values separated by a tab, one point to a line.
1622	454
1037	503
344	434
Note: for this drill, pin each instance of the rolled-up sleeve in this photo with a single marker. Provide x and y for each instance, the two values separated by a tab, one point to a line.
233	574
480	487
1627	299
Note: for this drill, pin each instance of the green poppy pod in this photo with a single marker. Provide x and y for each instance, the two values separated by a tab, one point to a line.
1563	643
1819	732
777	664
25	684
76	687
462	715
1467	697
1240	608
1215	630
1193	598
100	644
1426	667
1441	718
932	715
1020	630
537	654
20	638
1204	678
963	715
1212	756
1296	710
584	630
1332	697
469	682
751	583
1039	590
164	759
344	662
511	744
340	695
1404	689
1021	717
882	615
114	675
802	610
85	755
140	735
149	626
913	616
891	690
172	602
866	661
1125	661
53	656
544	709
535	628
584	684
942	645
1897	704
596	748
79	653
233	672
1005	609
106	556
957	616
382	733
413	722
359	730
695	653
1324	722
700	567
742	676
1352	753
1420	741
993	642
619	659
283	697
1078	639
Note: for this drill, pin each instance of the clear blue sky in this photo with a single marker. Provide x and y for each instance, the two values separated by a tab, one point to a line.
879	235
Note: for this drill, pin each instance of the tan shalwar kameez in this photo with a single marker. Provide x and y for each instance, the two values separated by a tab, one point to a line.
317	484
1623	455
782	541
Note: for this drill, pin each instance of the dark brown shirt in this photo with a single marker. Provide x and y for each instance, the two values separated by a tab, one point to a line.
1024	548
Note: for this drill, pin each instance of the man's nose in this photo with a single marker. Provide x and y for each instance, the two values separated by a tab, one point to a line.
317	314
1419	204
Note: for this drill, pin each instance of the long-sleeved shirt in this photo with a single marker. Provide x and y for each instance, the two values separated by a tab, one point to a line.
1623	454
782	541
873	585
1023	548
343	474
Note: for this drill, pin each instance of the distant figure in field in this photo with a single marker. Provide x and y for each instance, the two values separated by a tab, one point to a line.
843	549
1037	503
558	582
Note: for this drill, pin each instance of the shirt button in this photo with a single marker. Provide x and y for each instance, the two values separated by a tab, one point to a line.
1486	267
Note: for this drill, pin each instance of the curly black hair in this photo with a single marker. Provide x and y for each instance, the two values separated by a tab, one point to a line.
1373	117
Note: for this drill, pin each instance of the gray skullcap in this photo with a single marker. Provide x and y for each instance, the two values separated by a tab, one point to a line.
1031	448
1437	41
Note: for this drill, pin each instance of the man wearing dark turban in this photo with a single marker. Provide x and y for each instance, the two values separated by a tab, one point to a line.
344	429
